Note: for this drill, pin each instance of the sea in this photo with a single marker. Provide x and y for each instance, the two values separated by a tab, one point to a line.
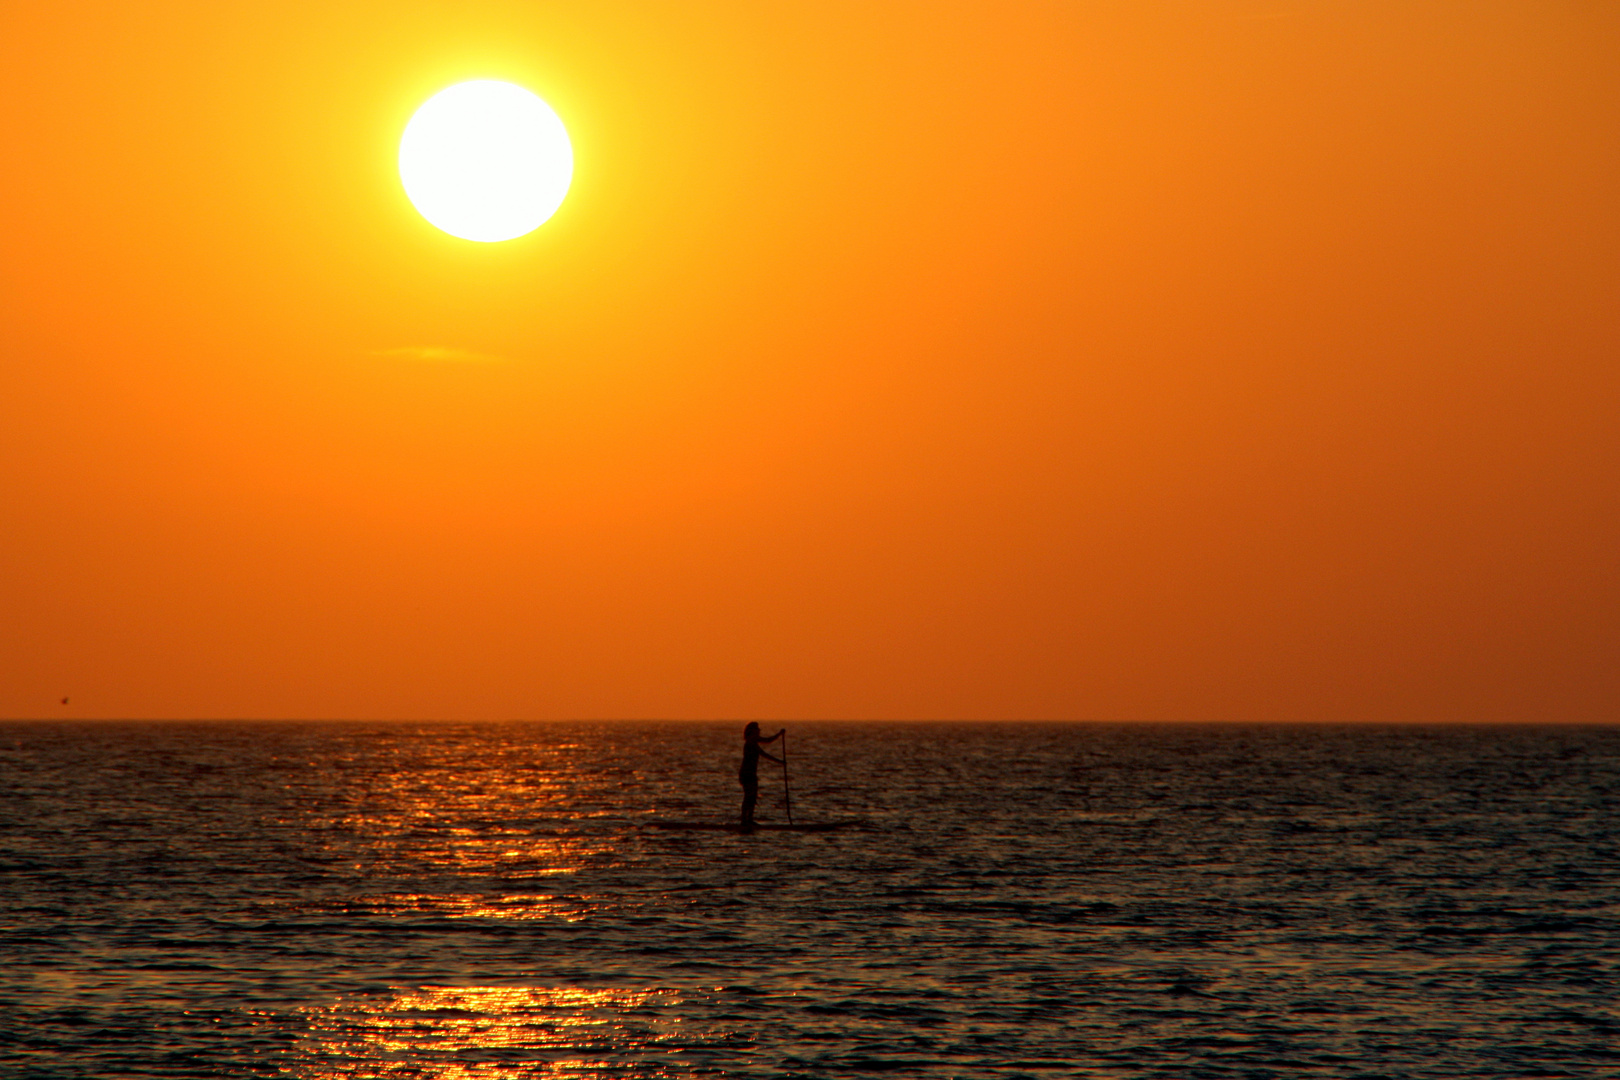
499	900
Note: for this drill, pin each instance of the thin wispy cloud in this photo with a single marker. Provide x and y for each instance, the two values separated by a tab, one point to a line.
438	354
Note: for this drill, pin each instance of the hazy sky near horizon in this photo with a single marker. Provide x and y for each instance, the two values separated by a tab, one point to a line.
1249	360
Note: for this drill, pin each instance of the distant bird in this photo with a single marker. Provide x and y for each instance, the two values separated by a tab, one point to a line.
64	701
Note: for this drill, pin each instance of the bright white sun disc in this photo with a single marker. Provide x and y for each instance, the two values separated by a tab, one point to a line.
486	161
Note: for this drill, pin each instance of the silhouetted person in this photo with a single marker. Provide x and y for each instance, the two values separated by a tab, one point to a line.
749	773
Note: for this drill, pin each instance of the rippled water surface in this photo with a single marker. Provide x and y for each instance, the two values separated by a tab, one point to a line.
492	901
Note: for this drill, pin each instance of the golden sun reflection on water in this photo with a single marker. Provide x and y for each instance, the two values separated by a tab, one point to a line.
492	1033
488	841
404	840
508	906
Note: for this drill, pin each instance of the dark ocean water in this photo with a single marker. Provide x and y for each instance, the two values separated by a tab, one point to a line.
489	901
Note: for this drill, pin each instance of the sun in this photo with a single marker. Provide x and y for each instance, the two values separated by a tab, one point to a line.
486	161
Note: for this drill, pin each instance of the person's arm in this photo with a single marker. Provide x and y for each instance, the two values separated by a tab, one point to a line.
773	738
770	757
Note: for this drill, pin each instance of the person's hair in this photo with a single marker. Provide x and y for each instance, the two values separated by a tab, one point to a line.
753	725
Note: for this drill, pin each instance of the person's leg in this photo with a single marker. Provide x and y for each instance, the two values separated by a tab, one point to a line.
750	794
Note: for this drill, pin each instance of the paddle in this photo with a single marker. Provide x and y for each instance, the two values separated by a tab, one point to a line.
787	795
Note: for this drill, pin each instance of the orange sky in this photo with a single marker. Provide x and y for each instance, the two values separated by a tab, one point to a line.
1249	360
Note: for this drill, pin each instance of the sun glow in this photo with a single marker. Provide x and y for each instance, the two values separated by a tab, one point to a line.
486	161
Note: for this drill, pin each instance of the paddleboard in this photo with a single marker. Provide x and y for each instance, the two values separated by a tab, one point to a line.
759	826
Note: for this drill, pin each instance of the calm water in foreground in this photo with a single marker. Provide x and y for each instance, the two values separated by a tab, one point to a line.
490	901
